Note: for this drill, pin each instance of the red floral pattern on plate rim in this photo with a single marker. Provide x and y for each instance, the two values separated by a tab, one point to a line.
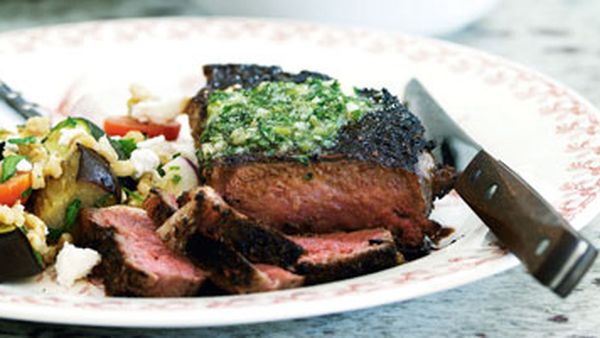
574	120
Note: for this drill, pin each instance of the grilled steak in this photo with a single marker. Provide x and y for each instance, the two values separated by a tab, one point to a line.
280	278
135	261
159	206
377	172
207	214
230	271
342	255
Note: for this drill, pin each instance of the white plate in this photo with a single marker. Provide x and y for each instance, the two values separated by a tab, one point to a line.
543	130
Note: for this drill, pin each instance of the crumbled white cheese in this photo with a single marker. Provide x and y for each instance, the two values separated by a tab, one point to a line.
68	134
185	142
158	111
144	160
157	144
73	263
24	166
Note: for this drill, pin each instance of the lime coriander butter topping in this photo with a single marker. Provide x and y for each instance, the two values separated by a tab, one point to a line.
279	117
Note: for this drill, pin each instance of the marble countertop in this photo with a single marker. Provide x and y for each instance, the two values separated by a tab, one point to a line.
556	37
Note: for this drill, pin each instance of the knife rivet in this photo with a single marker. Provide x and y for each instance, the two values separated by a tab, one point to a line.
542	246
475	175
489	193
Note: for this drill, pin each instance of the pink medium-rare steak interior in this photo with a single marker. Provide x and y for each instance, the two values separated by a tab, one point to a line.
339	196
134	258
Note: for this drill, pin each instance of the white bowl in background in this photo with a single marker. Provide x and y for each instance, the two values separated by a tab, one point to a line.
426	17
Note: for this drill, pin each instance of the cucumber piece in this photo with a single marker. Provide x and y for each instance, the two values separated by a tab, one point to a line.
51	142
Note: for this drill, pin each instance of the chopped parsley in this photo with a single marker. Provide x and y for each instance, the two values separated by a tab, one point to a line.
103	201
124	147
134	195
176	179
27	193
23	140
308	176
9	167
279	117
38	257
160	170
24	230
71	214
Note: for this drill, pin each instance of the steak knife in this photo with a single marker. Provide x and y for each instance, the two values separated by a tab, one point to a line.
551	250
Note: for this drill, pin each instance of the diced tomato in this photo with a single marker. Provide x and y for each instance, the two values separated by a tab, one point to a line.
12	190
120	125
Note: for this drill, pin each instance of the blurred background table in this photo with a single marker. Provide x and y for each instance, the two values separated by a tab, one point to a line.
557	37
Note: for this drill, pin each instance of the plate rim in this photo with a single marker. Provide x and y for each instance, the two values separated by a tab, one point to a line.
505	262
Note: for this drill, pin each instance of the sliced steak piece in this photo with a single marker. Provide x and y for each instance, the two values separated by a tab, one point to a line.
135	261
230	271
160	205
378	173
342	255
280	278
206	213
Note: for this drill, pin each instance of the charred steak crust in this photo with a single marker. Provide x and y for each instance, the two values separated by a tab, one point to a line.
376	252
228	269
391	136
222	76
382	258
121	274
206	213
159	206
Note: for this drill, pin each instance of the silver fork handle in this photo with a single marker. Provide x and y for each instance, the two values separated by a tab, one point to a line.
15	101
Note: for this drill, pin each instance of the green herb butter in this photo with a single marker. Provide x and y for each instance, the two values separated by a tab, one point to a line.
279	117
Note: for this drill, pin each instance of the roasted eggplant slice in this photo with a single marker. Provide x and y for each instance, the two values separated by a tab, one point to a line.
87	181
19	259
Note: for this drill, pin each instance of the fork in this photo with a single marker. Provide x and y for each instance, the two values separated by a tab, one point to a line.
18	104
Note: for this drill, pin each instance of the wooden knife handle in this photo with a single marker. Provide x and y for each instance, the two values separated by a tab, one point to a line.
553	252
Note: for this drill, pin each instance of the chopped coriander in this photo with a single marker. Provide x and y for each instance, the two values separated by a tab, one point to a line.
54	233
9	167
134	195
38	258
176	179
23	140
71	214
308	176
176	155
27	193
24	230
160	170
102	201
